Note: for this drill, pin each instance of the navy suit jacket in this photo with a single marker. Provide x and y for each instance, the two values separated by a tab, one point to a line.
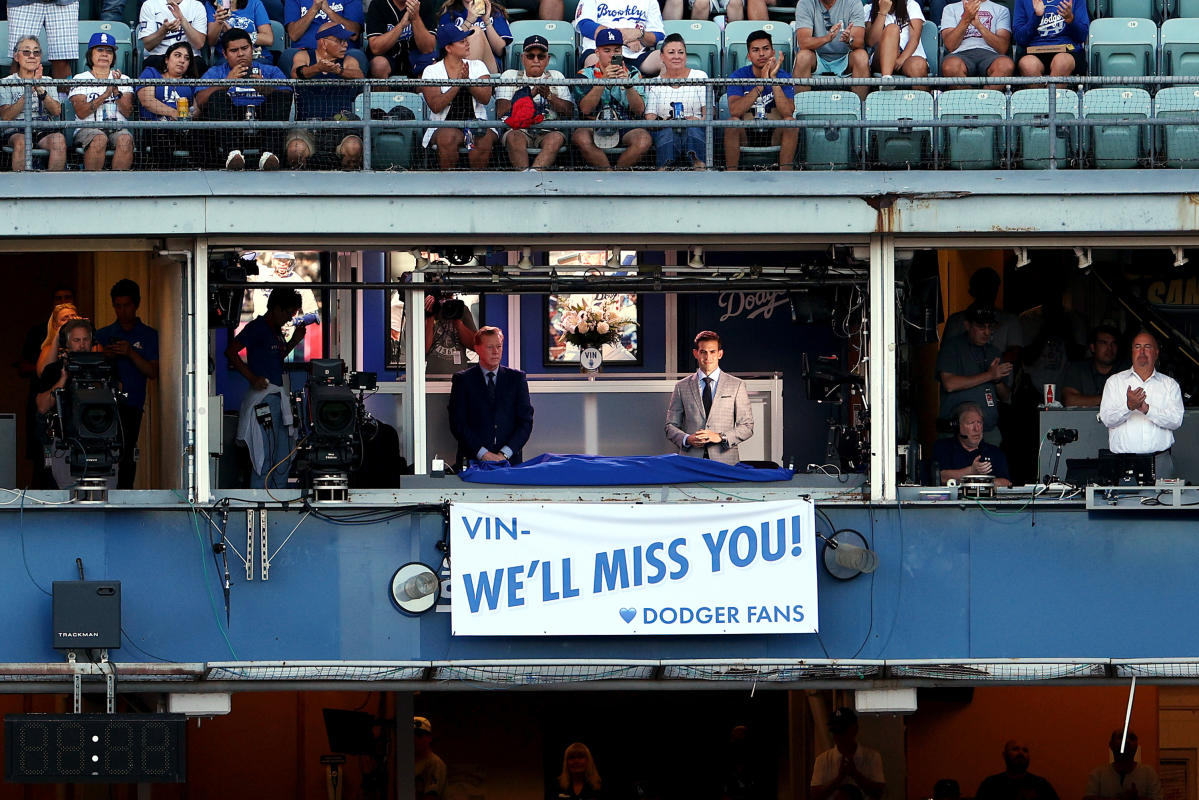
478	422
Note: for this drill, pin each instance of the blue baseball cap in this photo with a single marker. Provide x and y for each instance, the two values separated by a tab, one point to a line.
608	36
448	33
102	39
335	30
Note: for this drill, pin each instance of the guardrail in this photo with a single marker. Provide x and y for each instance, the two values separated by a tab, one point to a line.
902	122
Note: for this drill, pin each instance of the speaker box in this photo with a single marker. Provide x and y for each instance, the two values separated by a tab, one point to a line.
87	614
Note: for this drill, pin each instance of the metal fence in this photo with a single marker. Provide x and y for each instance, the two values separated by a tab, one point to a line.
931	123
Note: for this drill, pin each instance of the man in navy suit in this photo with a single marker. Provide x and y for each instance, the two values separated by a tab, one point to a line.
490	413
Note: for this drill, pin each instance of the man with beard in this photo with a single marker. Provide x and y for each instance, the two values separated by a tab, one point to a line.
1015	782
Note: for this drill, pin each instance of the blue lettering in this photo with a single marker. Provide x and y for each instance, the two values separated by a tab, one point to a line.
515	585
568	590
796	536
500	527
747	535
780	536
547	591
797	613
657	566
471	530
637	566
679	559
648	615
485	588
714	548
607	572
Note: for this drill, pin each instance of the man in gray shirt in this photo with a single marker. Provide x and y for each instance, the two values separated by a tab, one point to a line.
977	34
830	40
970	370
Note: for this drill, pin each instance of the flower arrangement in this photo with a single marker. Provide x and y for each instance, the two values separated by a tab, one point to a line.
593	327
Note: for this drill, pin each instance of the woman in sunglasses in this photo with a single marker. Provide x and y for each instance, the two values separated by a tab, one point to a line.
27	57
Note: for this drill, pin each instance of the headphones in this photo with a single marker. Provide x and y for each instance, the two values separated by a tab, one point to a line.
70	324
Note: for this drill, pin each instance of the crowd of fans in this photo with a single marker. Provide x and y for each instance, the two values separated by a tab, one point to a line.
340	39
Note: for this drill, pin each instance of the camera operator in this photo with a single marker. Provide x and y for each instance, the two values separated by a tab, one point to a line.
449	333
133	347
966	453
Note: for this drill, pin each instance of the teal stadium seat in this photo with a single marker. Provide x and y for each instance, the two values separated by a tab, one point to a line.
735	52
899	147
1122	47
279	45
393	149
1117	146
1178	48
831	147
1187	9
1030	147
560	35
120	31
759	157
1146	9
973	148
930	37
703	43
1178	144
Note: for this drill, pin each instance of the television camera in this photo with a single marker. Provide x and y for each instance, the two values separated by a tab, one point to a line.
334	419
87	424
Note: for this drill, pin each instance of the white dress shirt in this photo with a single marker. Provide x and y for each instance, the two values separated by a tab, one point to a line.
1132	431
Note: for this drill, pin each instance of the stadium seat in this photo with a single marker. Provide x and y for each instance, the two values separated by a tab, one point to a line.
703	43
560	35
973	148
899	147
831	147
120	31
279	45
1187	9
1122	47
1179	47
1141	9
930	37
1178	144
1030	147
393	149
752	156
734	42
1116	146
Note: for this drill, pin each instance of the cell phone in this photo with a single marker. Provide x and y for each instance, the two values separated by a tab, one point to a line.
618	60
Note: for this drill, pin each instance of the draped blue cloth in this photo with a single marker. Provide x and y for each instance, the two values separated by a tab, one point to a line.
553	469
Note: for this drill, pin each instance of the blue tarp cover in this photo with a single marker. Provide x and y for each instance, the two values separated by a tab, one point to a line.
553	469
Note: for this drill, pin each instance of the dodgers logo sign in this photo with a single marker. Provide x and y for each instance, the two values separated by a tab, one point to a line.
619	569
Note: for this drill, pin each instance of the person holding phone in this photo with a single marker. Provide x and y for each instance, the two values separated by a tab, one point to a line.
248	15
610	102
966	453
487	23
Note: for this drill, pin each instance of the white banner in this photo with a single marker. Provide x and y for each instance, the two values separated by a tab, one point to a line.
619	569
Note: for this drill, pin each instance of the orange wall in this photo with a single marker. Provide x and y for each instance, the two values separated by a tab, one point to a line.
1066	730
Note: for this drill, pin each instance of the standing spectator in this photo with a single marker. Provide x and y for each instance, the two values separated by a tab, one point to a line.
103	104
551	102
638	27
241	102
830	40
610	102
428	768
397	40
487	23
161	23
579	779
1124	778
458	103
133	345
847	763
60	21
970	370
250	16
977	35
303	21
1055	35
761	102
666	101
1015	782
27	61
328	62
1141	409
893	35
161	102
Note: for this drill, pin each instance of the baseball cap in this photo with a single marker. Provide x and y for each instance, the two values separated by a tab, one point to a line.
536	41
335	30
608	36
102	39
422	725
284	255
980	313
842	720
448	33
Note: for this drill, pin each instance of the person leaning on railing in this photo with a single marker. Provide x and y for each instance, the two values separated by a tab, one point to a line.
27	58
678	102
103	104
459	103
169	102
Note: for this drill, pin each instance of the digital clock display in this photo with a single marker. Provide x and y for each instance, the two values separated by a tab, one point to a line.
95	748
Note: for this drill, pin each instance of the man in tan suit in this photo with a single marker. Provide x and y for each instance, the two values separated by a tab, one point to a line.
709	411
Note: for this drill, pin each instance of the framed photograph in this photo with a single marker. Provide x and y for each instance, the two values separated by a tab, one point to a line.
625	350
299	267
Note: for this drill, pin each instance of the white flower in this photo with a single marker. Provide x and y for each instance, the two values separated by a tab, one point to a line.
611	317
583	327
570	320
601	327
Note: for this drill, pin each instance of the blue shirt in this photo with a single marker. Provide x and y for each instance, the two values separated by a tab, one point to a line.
950	454
265	349
144	340
294	9
497	22
740	90
165	94
248	19
244	95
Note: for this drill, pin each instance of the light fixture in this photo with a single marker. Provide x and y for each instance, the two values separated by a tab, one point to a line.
415	588
1022	257
614	258
697	258
1084	257
847	554
526	259
1180	258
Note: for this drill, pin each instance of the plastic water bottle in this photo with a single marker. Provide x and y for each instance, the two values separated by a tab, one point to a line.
110	107
468	139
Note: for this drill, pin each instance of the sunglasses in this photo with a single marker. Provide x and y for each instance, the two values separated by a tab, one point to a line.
536	56
30	52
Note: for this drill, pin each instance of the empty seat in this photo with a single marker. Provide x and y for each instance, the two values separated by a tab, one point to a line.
703	43
735	53
1116	146
1179	47
1147	9
973	148
1188	9
393	148
559	34
120	31
1178	144
831	147
1122	47
899	146
1031	144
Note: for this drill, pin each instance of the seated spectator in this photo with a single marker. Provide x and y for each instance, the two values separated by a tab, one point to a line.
760	102
161	23
1054	36
638	25
161	102
685	144
59	19
302	21
397	40
610	102
977	35
27	61
458	103
830	40
250	16
1082	382
243	102
966	453
328	62
549	102
486	22
893	36
103	104
732	10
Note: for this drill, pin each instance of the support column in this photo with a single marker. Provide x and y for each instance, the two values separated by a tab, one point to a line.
405	768
881	368
199	412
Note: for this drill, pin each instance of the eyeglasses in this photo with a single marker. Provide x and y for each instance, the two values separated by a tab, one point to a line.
828	20
30	53
536	56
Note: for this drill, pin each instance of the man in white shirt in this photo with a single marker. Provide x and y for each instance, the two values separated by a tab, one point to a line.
1142	407
847	762
1124	778
161	23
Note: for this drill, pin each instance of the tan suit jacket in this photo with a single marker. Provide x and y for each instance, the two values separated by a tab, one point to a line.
730	417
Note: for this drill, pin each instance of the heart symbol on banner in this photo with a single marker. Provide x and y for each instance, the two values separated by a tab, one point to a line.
627	614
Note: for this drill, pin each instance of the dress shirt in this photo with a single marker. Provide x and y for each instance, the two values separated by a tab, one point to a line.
1134	432
493	375
714	376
